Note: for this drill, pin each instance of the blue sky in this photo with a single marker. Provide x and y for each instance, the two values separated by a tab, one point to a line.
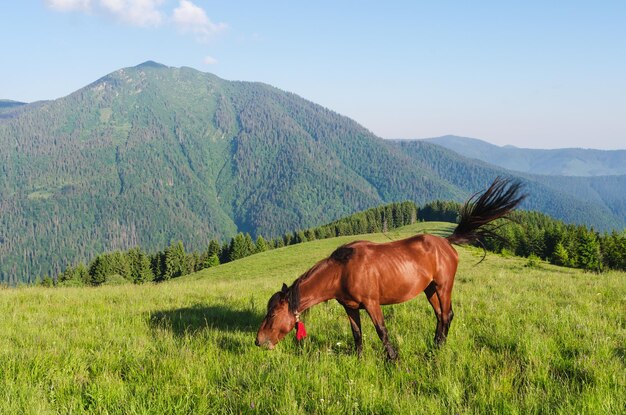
531	74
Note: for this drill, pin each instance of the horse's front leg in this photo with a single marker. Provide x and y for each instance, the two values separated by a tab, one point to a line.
355	323
376	314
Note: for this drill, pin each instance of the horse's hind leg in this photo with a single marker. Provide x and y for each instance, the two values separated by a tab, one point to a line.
376	314
440	299
355	323
445	298
433	299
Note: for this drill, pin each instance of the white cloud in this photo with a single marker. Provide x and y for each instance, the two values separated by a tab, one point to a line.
69	5
209	60
190	18
133	12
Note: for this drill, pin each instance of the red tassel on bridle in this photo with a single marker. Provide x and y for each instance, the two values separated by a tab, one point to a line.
300	330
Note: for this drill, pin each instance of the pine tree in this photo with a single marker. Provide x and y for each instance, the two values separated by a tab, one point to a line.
620	251
174	261
250	247
157	265
82	273
310	234
288	239
589	252
214	248
212	261
560	255
261	245
98	270
299	237
536	241
613	248
120	264
238	247
224	254
140	269
145	271
192	263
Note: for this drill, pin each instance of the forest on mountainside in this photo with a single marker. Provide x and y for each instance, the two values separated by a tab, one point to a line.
150	155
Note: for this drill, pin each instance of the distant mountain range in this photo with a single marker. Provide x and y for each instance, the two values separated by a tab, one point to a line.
558	162
592	194
8	103
151	154
7	106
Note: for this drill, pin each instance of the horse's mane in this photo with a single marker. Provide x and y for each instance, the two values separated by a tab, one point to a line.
341	255
293	294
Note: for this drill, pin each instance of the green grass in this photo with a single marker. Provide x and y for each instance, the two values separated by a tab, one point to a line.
524	340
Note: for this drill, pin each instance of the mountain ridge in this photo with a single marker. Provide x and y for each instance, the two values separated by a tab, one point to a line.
581	162
150	154
9	106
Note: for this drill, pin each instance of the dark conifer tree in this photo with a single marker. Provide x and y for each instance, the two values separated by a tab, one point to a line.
261	245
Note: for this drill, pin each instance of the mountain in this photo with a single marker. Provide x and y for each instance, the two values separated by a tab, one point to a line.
559	162
8	106
8	103
607	191
595	201
151	154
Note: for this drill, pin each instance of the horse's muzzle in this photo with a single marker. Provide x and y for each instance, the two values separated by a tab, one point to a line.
266	343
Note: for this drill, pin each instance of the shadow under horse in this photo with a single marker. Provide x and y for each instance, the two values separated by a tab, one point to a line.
199	317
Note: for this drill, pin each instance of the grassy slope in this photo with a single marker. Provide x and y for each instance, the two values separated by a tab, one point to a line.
523	340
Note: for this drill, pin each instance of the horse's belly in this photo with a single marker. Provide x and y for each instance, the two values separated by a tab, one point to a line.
386	282
404	291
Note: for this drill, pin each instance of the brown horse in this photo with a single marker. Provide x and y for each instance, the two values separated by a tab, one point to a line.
366	275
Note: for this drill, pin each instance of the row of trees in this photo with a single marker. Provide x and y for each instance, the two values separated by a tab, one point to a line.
137	266
536	234
528	234
575	246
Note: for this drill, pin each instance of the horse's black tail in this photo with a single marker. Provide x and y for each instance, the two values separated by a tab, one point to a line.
500	199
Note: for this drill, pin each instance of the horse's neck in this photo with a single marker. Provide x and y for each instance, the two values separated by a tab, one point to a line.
319	286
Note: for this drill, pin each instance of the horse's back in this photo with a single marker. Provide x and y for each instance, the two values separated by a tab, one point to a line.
396	271
420	248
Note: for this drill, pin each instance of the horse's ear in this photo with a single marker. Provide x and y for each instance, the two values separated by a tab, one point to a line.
284	289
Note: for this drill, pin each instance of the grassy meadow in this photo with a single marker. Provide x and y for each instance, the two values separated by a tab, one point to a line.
539	339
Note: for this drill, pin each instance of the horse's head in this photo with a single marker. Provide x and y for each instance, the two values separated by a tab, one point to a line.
279	320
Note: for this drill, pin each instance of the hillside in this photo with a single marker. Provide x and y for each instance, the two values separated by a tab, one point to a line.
586	193
555	162
8	107
524	339
151	154
608	191
9	103
595	201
